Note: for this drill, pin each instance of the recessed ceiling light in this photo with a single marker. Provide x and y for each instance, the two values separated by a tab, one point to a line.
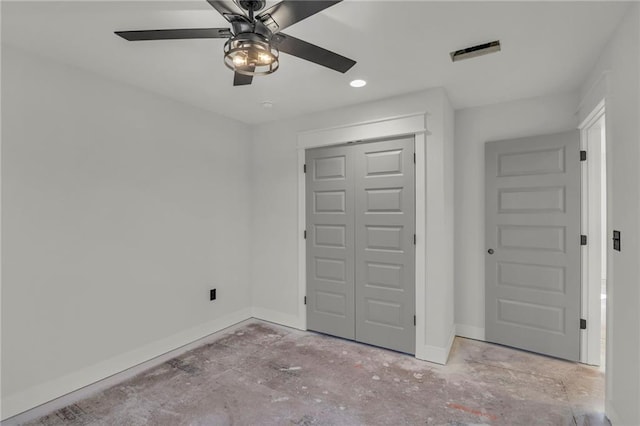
358	83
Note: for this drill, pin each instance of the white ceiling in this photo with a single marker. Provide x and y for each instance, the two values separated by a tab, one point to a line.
400	47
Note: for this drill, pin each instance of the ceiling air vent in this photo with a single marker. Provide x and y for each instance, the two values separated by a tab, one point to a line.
473	51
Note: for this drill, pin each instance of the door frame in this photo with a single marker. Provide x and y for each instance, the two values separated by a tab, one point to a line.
591	220
405	125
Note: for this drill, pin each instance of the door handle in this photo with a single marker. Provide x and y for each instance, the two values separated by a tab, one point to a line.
490	251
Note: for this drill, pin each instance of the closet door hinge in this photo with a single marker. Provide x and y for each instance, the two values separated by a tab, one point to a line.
414	158
583	240
305	234
414	320
583	324
583	155
305	300
304	168
414	239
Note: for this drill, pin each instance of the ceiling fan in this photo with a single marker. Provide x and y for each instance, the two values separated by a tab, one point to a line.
254	41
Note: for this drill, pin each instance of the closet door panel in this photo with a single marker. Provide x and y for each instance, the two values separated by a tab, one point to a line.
384	246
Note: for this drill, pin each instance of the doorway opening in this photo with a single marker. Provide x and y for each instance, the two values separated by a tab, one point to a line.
594	226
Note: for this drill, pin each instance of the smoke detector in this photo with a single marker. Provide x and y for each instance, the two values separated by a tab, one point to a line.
474	51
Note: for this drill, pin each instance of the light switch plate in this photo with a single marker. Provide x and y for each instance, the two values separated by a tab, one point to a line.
616	240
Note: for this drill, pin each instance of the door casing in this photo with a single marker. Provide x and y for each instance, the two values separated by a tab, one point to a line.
343	295
593	225
412	124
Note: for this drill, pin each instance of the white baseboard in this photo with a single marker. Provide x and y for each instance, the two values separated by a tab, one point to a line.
611	413
47	397
277	317
470	331
437	354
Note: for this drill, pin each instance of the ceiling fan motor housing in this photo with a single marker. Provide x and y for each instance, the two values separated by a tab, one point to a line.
244	26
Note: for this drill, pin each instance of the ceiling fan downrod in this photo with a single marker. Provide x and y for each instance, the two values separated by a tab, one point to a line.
252	6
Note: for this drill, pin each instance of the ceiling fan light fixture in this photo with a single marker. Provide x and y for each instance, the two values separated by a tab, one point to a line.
250	54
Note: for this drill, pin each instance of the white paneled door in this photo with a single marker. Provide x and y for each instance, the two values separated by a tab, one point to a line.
532	258
360	242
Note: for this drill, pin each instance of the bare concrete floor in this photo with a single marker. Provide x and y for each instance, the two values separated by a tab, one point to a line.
263	374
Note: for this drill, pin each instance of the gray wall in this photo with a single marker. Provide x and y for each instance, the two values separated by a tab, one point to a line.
474	127
120	209
616	77
275	201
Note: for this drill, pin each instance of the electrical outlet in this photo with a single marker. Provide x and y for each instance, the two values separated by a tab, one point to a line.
212	294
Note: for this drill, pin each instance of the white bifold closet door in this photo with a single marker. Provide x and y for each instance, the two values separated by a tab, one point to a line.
360	214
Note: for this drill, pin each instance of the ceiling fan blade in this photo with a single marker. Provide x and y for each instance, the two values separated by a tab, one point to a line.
311	52
176	34
288	12
241	79
225	8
